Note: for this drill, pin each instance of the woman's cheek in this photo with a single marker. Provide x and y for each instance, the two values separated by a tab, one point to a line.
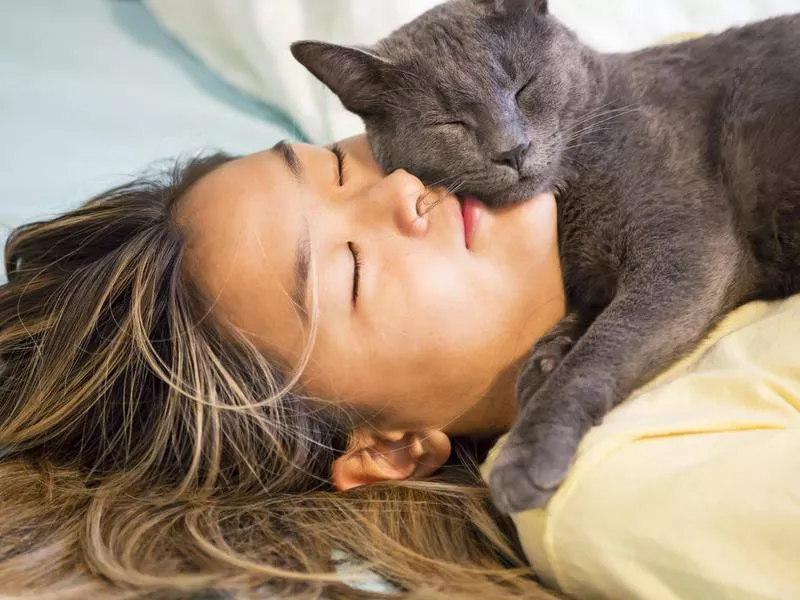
443	304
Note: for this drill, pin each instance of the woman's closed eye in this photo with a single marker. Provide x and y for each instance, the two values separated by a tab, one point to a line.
340	155
356	269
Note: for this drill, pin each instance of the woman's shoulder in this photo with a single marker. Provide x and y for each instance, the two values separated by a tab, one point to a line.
688	480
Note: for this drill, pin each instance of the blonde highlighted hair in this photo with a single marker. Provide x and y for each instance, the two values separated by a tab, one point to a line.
149	451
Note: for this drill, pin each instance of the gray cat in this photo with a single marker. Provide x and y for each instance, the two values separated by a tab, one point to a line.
677	171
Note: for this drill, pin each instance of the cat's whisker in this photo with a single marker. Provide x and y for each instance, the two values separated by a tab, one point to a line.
600	112
589	116
454	189
573	162
451	189
443	180
603	108
447	178
424	207
598	119
576	138
577	146
584	132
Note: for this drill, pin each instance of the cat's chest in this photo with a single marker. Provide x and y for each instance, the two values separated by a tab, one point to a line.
591	249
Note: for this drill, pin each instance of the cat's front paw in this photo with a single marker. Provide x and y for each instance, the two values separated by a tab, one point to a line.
531	464
547	354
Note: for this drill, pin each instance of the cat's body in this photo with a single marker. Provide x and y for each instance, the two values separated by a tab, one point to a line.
703	135
678	171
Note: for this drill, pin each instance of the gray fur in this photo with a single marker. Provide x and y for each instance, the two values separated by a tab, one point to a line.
678	177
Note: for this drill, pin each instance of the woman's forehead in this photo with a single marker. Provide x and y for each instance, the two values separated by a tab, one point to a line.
242	238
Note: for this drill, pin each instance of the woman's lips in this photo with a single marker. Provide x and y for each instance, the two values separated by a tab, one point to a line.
471	210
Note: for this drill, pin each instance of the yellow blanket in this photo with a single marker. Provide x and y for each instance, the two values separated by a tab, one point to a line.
691	488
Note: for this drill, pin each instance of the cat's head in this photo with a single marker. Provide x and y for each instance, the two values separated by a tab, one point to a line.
473	95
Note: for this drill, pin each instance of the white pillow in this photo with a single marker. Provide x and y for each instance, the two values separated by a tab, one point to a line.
247	41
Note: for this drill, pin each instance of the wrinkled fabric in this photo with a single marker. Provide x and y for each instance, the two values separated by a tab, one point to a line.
690	488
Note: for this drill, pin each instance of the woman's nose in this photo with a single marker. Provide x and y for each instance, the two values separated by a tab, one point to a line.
403	195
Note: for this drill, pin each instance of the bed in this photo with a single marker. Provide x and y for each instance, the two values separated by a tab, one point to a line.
93	91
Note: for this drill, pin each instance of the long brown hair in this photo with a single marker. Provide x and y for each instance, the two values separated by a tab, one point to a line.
148	451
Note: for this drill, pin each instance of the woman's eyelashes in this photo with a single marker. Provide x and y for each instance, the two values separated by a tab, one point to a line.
341	155
356	269
338	151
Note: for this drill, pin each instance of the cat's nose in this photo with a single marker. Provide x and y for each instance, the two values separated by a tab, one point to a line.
513	158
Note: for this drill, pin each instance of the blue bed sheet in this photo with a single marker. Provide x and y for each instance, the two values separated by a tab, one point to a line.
92	91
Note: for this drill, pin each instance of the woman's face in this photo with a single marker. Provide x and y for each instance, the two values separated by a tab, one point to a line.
415	328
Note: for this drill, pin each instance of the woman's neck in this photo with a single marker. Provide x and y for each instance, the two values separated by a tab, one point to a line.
494	413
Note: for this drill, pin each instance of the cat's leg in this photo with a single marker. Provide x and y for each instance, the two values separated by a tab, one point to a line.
658	314
548	352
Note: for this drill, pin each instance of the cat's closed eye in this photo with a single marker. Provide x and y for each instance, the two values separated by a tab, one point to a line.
527	86
453	123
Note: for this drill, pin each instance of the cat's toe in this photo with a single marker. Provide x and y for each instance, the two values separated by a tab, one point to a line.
528	470
545	358
513	490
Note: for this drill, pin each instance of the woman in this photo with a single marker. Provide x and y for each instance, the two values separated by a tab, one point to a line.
200	374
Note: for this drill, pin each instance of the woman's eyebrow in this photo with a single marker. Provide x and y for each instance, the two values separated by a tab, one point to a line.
302	260
289	156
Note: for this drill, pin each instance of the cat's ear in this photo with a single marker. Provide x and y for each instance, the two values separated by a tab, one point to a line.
514	6
540	6
356	75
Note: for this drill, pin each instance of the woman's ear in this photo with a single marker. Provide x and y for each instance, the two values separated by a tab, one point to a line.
389	456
